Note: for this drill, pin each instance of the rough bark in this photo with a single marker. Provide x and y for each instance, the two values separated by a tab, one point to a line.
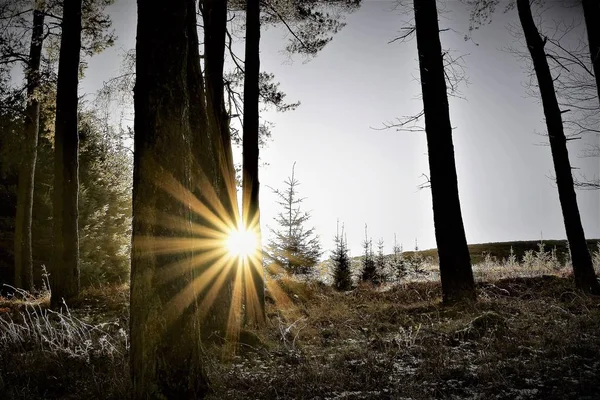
166	359
583	269
591	13
455	263
214	15
250	181
64	276
23	220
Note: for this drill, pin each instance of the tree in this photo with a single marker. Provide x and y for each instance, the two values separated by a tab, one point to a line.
398	263
293	247
250	182
64	276
591	13
23	219
583	269
175	174
104	201
369	269
455	263
380	263
342	275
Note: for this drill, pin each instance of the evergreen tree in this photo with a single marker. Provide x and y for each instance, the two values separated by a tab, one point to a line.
380	263
398	263
342	275
369	272
293	247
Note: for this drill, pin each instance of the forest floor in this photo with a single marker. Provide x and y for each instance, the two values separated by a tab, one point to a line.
525	338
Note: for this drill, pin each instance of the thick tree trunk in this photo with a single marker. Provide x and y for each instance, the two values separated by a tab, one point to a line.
591	13
250	182
169	123
583	269
23	249
64	276
455	263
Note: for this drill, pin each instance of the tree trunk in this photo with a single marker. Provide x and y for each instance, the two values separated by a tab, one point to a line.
64	276
214	14
250	183
583	269
455	263
169	125
23	220
591	13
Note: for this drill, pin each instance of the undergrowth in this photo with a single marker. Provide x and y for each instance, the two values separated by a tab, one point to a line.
531	335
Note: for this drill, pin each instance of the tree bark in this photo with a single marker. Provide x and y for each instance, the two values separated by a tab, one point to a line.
166	354
591	13
583	269
455	263
214	15
23	220
250	181
64	276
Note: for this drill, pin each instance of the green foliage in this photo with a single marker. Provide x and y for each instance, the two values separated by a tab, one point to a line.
342	274
397	262
381	263
369	269
104	202
293	247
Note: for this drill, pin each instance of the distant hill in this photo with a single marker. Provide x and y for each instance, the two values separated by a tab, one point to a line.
501	250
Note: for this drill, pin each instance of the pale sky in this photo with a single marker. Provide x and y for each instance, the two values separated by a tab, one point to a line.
360	175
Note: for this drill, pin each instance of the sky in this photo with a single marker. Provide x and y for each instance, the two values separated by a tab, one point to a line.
359	175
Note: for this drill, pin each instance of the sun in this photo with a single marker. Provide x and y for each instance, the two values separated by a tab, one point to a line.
242	243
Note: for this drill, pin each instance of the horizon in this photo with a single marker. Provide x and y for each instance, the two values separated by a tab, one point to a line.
505	195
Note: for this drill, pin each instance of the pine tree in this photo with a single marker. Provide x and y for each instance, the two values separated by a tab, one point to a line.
398	263
293	247
369	272
380	263
455	262
342	275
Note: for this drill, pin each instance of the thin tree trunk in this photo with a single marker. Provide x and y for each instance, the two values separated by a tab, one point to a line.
64	276
214	15
583	269
591	13
455	263
250	183
23	249
166	356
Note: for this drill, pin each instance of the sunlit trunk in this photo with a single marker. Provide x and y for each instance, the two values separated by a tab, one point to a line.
214	15
173	167
251	184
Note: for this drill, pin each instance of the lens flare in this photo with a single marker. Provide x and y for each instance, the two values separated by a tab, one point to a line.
242	243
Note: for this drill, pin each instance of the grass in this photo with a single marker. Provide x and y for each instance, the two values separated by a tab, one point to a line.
531	335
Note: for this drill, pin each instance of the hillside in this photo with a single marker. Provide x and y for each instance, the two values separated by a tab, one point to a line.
501	250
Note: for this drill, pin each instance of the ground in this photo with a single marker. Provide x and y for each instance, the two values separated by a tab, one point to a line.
525	338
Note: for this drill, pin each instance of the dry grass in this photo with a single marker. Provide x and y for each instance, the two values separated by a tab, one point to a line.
525	338
531	335
63	354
